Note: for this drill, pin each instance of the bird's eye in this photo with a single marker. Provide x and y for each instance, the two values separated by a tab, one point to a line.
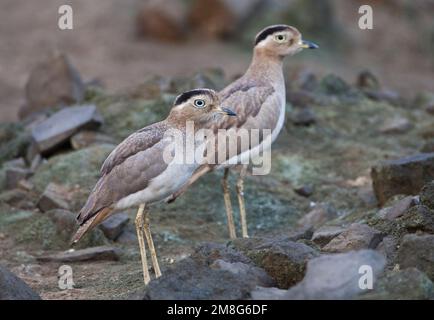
280	38
199	103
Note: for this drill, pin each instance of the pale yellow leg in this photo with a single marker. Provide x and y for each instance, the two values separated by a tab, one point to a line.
228	205
147	230
240	194
139	228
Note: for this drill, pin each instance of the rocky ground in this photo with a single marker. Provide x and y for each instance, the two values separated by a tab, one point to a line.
351	184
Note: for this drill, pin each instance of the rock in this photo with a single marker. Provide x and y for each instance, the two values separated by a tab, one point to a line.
389	96
303	117
221	18
333	85
86	138
210	252
336	276
58	128
399	208
388	248
357	236
54	197
427	195
417	251
367	80
15	163
396	125
14	141
319	215
408	284
15	175
162	20
417	218
114	225
54	82
18	198
325	234
64	220
36	162
284	260
94	254
127	236
402	176
13	288
261	293
304	191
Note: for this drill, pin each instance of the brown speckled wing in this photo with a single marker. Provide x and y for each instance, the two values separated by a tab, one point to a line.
128	169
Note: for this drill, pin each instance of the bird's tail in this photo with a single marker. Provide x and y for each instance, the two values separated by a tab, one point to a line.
90	224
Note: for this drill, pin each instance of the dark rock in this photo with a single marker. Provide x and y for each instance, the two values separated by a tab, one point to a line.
397	125
427	195
64	220
304	191
399	208
13	288
356	237
94	254
54	82
210	252
388	247
127	236
325	234
402	176
58	128
408	284
417	251
418	218
319	215
15	175
284	260
86	138
333	85
114	225
335	276
303	117
367	80
54	197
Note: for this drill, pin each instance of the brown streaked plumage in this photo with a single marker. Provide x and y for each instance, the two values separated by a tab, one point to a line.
135	173
258	98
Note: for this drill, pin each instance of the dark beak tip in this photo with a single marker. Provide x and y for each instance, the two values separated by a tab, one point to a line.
229	112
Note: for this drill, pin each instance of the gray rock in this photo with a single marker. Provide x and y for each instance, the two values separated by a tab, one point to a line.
284	260
417	251
53	198
94	254
400	207
127	236
418	218
14	175
304	191
402	176
388	247
396	125
114	225
303	117
264	293
319	215
408	284
86	138
54	82
64	220
57	129
325	234
427	195
13	288
336	276
356	237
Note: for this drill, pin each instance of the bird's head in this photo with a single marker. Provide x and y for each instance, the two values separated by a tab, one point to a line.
281	40
198	105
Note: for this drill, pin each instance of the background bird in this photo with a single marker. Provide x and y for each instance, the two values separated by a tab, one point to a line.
258	98
136	173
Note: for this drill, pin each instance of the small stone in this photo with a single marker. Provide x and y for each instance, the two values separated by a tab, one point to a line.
325	234
58	128
114	225
303	117
54	82
402	176
319	215
396	125
417	251
94	254
13	288
127	236
356	237
304	191
15	175
399	208
367	80
86	138
54	197
427	195
333	85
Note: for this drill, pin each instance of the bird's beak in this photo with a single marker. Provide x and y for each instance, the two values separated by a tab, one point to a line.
309	45
226	111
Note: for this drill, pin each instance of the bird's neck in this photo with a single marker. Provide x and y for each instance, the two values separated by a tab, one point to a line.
266	62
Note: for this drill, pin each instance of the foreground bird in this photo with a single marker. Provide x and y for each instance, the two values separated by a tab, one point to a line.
136	173
258	98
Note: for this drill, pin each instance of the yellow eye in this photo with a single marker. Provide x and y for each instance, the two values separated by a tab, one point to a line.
199	103
280	37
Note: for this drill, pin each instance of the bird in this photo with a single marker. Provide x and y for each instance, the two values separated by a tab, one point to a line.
258	98
136	172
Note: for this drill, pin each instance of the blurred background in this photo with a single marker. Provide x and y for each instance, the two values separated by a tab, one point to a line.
121	43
